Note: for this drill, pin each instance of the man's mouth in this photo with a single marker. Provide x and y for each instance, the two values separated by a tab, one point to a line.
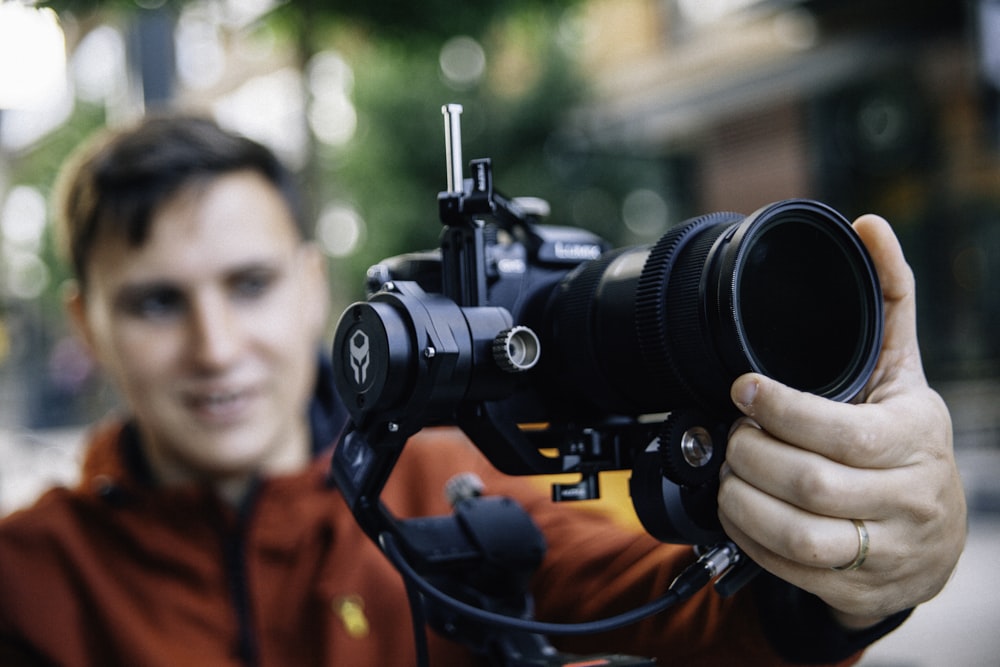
219	405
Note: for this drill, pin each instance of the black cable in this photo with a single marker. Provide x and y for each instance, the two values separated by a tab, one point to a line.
419	623
693	578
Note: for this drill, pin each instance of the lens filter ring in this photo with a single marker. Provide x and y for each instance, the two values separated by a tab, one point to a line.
799	300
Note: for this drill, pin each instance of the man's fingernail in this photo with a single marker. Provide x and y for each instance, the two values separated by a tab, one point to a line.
744	392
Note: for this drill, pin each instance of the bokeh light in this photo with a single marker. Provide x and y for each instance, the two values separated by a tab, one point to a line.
332	117
462	61
340	229
32	56
645	212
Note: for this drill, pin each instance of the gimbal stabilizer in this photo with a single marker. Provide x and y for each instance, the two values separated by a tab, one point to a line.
536	339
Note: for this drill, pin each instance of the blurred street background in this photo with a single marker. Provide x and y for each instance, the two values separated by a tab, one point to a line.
628	116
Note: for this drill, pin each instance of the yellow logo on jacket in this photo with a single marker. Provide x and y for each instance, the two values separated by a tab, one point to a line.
351	611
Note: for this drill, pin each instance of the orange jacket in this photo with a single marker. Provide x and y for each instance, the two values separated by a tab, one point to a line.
118	572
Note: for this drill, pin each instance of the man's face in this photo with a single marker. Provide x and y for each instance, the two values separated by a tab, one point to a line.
210	330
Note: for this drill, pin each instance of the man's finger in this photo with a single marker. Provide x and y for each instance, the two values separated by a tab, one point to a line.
900	354
842	432
812	481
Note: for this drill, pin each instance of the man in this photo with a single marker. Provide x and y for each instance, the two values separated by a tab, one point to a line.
205	530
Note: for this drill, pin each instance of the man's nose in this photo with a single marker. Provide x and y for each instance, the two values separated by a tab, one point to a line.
215	335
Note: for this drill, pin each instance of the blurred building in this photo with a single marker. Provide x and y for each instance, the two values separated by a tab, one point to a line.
869	106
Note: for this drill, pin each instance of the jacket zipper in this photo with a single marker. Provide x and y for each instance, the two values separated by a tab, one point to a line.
237	571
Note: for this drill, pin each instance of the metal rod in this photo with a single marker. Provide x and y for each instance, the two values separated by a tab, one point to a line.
453	145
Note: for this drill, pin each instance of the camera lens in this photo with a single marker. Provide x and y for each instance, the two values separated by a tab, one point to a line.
788	291
796	309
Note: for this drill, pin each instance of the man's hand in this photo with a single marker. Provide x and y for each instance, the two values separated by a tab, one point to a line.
800	468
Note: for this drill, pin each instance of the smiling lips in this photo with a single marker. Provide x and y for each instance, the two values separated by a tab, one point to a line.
220	407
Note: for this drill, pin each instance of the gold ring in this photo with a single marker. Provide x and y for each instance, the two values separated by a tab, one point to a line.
859	560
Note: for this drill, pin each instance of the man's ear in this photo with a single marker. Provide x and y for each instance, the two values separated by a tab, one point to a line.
76	308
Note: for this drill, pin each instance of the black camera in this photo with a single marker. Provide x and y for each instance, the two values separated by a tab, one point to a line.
556	353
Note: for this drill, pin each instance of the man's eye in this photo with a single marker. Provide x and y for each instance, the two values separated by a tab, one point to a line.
155	304
252	285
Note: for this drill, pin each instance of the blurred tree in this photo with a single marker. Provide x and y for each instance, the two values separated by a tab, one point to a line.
32	388
395	166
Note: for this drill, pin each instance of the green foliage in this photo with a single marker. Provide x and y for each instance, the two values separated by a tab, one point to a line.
38	168
394	168
395	19
433	18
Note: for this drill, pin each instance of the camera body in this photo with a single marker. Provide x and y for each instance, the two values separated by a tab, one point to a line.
523	265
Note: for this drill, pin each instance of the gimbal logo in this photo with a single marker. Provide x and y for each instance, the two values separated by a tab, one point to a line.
360	356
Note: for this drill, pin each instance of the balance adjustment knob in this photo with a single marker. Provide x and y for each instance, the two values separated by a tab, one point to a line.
516	349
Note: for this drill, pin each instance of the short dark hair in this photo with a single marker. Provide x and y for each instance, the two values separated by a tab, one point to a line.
118	181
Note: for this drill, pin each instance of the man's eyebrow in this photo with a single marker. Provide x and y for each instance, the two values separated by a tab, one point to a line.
267	264
272	266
